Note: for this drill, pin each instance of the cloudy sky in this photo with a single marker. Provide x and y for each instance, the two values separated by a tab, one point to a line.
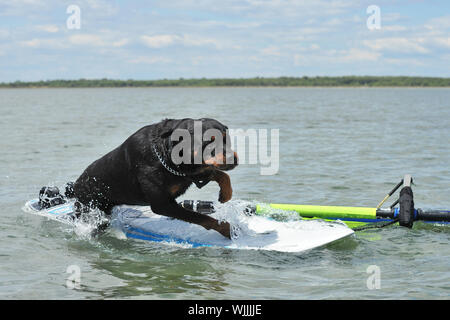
138	39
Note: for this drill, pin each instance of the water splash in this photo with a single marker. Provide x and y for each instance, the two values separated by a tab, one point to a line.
278	214
89	224
234	213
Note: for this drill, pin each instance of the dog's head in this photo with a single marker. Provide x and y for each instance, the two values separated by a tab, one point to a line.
198	144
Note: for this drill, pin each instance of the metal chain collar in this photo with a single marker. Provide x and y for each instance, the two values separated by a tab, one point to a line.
165	165
199	183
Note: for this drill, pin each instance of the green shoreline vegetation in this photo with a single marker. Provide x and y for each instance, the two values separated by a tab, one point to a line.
344	81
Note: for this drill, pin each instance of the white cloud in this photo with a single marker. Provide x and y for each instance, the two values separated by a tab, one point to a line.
404	62
21	2
43	43
98	40
334	22
299	7
159	41
34	43
4	33
390	17
164	40
398	44
48	28
103	40
441	41
393	28
19	7
149	60
301	60
190	40
355	54
336	56
266	10
314	30
271	51
86	39
426	39
439	23
120	43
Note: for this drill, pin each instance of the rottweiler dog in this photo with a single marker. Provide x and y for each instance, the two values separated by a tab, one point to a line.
141	171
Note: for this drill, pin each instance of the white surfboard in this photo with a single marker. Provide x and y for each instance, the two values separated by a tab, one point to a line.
251	232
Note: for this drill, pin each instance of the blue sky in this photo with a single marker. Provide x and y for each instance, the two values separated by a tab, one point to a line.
231	38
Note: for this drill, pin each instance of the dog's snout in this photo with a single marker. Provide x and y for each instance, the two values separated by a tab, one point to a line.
236	158
232	159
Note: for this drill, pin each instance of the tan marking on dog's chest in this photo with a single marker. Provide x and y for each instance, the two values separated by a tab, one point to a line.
174	189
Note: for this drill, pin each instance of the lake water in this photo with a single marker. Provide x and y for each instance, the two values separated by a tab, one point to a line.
337	146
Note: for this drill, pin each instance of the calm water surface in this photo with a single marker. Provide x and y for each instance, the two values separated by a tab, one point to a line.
337	147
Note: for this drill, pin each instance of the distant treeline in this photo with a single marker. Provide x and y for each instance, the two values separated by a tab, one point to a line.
345	81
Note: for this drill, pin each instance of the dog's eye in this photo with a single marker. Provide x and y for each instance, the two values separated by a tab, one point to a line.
207	142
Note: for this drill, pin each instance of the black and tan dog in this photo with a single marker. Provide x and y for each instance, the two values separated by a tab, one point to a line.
141	172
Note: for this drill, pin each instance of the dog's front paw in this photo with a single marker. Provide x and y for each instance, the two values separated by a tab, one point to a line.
224	229
225	186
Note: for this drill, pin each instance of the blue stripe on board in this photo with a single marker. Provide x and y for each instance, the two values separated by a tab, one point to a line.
150	236
148	233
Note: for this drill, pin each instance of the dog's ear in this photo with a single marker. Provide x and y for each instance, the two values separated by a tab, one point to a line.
166	132
168	125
